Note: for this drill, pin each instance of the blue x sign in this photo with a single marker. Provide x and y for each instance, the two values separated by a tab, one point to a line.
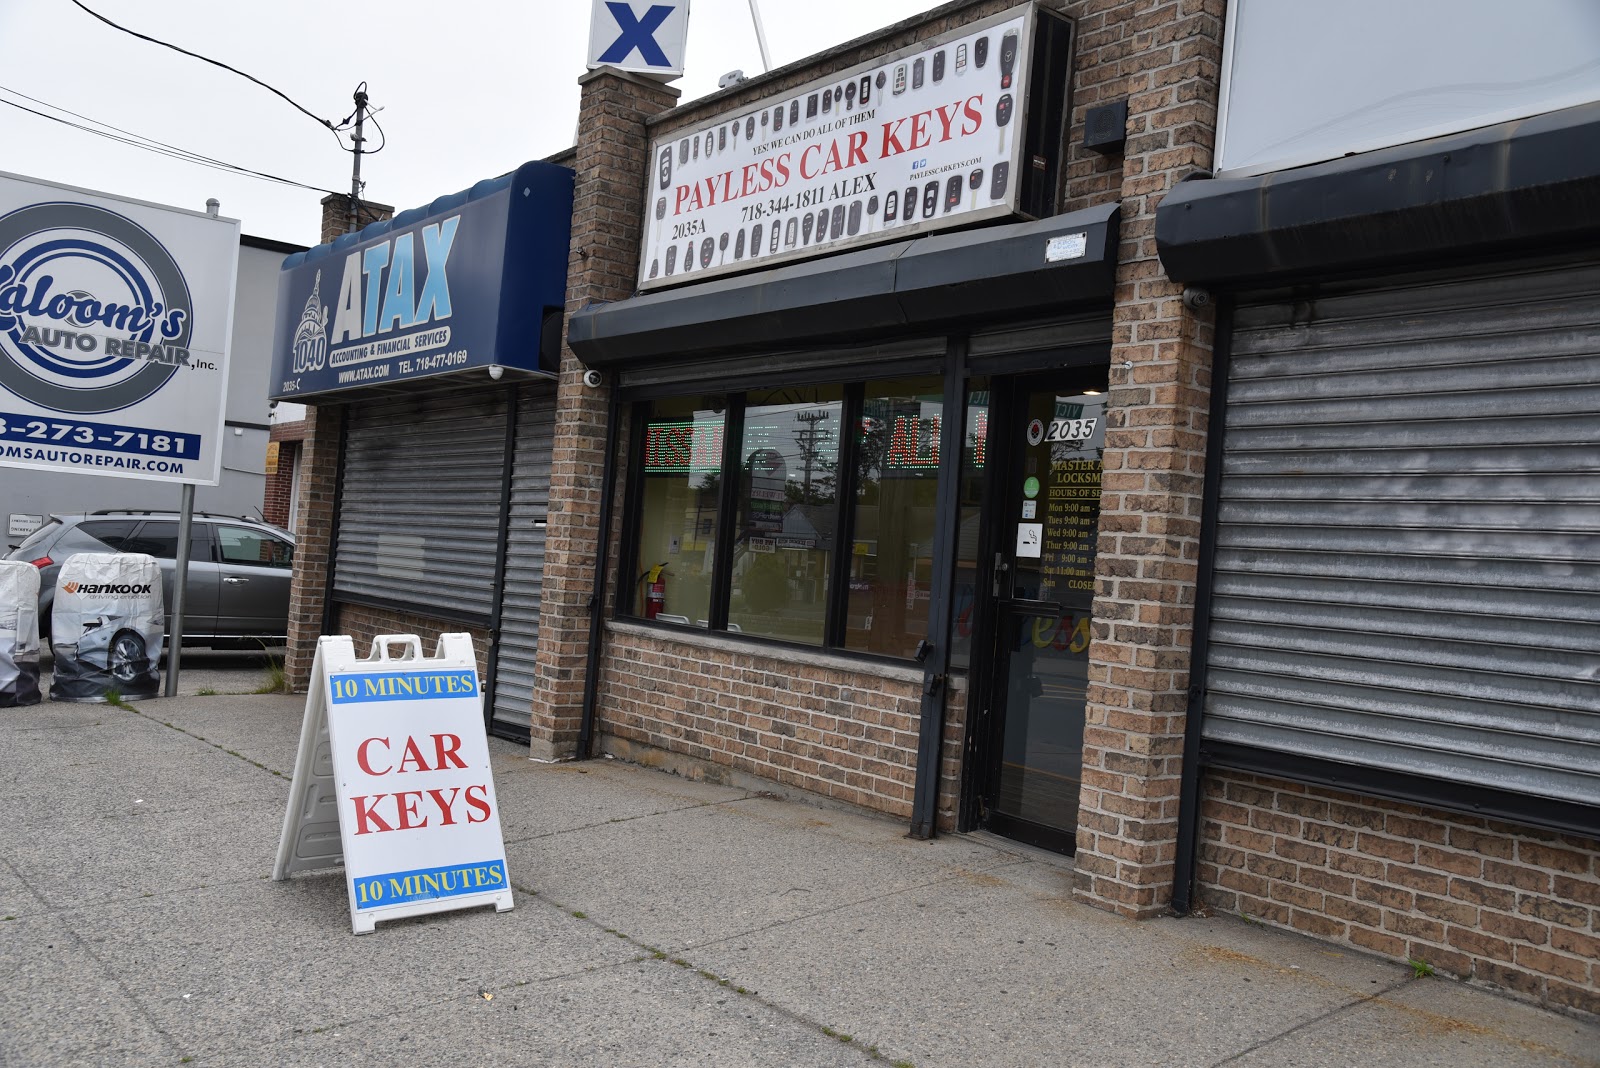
639	35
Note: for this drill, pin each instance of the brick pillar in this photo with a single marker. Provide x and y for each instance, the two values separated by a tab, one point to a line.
336	215
1154	470
319	475
313	548
607	220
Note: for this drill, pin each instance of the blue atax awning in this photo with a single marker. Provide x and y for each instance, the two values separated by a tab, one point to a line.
468	282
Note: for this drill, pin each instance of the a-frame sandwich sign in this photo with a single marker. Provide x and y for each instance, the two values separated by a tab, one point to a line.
393	778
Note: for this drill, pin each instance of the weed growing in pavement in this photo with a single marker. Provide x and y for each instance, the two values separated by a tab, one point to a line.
273	679
205	691
1420	969
114	697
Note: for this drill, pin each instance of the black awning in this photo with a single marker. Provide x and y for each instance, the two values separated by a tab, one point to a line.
1524	183
1013	269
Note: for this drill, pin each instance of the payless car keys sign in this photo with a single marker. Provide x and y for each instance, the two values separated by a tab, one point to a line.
115	318
925	139
418	819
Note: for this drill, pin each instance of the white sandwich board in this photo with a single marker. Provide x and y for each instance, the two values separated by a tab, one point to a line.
393	779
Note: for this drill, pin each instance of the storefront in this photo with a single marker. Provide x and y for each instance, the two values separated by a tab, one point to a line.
429	340
863	490
1399	600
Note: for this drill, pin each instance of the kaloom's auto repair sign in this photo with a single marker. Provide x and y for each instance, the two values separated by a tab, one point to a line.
924	139
115	318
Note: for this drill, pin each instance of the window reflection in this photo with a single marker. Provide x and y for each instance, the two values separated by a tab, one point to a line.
682	472
891	562
784	532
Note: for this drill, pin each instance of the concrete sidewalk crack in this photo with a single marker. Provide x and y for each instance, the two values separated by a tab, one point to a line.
1338	1010
626	819
651	953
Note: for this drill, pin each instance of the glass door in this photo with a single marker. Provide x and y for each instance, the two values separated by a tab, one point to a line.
1048	509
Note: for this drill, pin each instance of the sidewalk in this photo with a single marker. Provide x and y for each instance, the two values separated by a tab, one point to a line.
658	922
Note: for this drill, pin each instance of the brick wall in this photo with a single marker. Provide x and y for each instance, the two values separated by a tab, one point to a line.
610	164
814	723
1475	898
313	550
336	215
280	484
1166	59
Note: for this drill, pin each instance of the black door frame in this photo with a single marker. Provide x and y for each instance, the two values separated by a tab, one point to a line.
986	695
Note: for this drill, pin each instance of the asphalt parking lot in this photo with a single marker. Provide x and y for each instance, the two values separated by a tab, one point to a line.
202	672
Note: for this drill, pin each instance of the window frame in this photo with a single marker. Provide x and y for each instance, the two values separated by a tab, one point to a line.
836	621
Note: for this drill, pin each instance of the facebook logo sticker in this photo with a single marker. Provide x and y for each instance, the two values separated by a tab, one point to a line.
645	36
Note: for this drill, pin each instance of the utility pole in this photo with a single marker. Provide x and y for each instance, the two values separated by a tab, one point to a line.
358	139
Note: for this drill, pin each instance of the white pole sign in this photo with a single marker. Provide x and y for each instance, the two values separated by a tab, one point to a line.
115	317
645	36
419	822
924	139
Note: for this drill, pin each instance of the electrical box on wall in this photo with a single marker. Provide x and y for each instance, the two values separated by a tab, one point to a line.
1105	128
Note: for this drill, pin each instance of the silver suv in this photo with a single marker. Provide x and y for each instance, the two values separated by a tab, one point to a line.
238	593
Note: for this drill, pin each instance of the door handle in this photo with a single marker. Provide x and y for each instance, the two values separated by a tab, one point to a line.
234	580
1024	604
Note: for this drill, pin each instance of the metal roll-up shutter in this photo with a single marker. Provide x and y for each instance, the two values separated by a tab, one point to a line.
419	513
524	573
1407	556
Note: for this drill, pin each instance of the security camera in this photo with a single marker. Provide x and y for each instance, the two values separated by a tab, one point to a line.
1195	298
592	379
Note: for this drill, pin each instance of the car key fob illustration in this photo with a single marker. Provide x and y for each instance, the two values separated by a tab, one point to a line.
961	60
1008	58
891	206
980	52
672	259
899	78
866	88
997	185
938	66
805	229
975	179
930	199
836	230
908	204
789	233
1002	110
707	247
853	225
918	65
738	245
666	167
952	193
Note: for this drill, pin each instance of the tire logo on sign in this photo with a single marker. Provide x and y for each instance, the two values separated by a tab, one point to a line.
95	314
1035	432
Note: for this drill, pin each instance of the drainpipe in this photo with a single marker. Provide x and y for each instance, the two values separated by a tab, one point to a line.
597	601
1186	862
935	651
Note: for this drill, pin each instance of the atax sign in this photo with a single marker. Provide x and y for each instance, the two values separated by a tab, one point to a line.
115	317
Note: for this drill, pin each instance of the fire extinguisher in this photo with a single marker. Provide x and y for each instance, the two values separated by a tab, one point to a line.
655	593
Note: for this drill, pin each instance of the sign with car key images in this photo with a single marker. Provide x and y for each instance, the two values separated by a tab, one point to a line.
923	139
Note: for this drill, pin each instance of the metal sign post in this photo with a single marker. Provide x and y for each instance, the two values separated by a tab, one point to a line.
180	584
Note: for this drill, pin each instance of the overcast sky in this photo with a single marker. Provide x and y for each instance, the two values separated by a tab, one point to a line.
469	88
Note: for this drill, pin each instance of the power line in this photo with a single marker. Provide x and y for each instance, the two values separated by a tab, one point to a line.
149	145
215	63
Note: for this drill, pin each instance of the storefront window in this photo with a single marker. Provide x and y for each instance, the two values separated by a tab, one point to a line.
784	536
682	475
897	477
